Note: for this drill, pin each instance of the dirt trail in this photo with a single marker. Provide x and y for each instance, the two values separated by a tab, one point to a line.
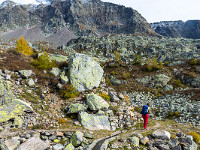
127	133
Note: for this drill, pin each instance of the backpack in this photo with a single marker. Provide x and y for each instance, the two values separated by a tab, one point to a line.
144	110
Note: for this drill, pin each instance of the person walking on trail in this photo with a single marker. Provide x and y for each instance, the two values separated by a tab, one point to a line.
145	114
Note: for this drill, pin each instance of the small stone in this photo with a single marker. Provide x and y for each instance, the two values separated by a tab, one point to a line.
144	140
31	82
55	71
58	147
60	134
64	79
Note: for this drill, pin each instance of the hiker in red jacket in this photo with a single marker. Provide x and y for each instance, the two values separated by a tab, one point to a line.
145	114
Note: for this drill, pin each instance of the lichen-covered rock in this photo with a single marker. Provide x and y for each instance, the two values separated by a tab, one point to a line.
94	122
6	94
85	73
13	110
161	134
64	79
75	108
55	71
95	102
34	143
77	138
69	147
25	73
134	140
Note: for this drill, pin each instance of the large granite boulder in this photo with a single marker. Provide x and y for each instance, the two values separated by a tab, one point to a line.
34	143
95	102
85	73
94	122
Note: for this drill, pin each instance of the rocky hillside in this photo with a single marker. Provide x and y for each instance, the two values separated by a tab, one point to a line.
90	93
80	17
188	29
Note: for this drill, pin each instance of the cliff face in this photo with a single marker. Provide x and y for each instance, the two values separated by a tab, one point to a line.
81	17
188	29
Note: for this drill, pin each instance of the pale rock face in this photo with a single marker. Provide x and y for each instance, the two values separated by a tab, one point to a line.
85	73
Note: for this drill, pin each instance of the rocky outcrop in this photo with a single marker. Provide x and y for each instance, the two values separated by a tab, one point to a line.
188	29
85	73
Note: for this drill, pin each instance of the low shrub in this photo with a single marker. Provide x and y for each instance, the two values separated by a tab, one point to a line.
152	65
117	56
69	92
105	96
126	98
62	120
107	80
126	75
22	46
44	62
194	61
195	136
137	60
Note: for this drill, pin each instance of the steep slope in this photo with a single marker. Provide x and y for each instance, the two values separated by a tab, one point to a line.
188	29
81	17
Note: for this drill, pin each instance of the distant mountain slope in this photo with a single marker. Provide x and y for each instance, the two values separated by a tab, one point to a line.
81	17
188	29
36	34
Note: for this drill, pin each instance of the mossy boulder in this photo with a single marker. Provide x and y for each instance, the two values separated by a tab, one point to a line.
95	102
94	122
75	108
77	138
6	94
85	73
